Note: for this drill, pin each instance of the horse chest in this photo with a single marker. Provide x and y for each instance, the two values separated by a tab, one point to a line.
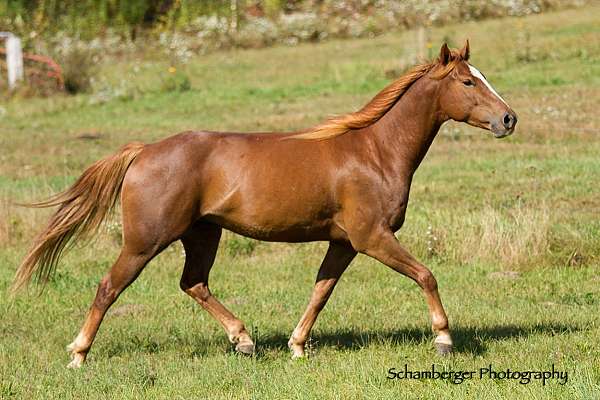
394	204
396	213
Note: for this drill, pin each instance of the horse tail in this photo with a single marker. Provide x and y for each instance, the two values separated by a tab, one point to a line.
82	208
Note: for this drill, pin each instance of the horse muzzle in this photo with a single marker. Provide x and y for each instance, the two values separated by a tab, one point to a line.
505	125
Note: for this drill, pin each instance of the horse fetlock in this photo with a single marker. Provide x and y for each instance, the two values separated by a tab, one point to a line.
439	324
78	349
79	345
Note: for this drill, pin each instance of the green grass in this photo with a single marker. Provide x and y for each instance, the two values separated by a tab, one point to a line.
529	203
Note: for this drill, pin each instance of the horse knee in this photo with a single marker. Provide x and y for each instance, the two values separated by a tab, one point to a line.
426	280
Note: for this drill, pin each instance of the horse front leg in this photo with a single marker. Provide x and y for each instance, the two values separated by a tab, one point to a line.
384	247
333	266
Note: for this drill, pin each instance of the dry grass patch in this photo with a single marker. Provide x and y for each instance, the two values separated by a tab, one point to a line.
514	237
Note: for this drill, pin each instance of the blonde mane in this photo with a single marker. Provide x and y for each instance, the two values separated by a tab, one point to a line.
378	106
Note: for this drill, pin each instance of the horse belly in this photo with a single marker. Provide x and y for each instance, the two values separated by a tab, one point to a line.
276	233
276	214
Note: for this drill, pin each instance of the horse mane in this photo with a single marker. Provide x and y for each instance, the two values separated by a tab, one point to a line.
380	104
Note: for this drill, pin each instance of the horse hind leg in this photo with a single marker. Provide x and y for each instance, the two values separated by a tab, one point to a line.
152	220
144	238
200	244
125	270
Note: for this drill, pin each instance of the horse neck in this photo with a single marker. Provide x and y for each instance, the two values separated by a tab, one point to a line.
403	135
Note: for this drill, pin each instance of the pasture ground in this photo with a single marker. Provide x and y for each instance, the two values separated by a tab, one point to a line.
511	229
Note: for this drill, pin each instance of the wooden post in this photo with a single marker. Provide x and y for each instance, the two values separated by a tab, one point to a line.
14	59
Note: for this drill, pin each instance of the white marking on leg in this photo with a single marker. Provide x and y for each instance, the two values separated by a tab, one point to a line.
80	342
77	361
443	338
297	350
475	72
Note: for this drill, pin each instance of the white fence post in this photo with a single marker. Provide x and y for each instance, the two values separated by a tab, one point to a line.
14	59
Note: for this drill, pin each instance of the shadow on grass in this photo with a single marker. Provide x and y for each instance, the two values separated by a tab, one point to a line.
467	340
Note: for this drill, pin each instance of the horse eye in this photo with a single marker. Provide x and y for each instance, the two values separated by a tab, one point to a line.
468	82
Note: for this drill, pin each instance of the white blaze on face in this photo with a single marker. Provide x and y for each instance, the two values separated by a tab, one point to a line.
475	72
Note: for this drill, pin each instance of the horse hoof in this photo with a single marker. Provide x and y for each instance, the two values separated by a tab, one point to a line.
77	361
443	349
245	348
74	364
297	351
299	357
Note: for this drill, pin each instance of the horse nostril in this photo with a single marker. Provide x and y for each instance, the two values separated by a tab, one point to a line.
509	120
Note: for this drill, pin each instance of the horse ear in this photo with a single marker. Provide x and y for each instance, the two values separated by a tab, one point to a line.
464	52
444	54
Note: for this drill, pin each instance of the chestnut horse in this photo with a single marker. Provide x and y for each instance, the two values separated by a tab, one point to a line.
345	181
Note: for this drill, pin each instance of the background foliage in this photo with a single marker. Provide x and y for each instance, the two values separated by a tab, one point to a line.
90	18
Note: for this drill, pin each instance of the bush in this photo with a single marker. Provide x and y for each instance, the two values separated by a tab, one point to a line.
79	66
256	32
302	27
240	246
176	81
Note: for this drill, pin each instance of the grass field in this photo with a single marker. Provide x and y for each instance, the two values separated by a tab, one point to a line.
510	228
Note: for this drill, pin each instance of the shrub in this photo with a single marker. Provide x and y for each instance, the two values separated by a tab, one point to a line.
256	32
240	246
302	26
176	81
79	66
